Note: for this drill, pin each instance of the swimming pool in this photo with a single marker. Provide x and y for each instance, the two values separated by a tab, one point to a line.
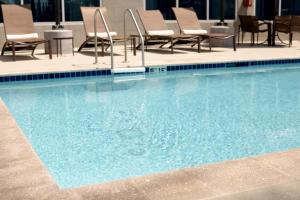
94	130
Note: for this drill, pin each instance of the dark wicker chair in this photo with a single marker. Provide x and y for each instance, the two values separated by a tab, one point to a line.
250	24
295	24
282	24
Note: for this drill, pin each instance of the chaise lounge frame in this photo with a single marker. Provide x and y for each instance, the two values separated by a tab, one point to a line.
156	30
19	30
188	23
102	37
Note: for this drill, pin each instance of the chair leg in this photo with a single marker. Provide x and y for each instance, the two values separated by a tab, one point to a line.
257	35
238	37
291	39
73	46
49	49
199	43
33	49
253	38
234	43
108	46
83	45
243	35
146	44
60	49
13	51
134	45
3	48
57	48
161	46
102	47
172	45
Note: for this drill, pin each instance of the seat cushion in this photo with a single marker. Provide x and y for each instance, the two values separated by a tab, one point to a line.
194	32
22	36
102	34
161	33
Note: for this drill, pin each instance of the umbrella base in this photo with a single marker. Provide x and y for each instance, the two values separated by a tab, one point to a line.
222	23
57	27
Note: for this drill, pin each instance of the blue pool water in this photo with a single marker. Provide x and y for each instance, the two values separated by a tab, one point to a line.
95	130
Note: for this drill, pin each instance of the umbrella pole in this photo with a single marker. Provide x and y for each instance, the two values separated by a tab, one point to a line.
222	15
57	14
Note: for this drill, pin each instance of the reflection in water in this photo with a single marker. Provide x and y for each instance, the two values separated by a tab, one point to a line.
115	130
111	86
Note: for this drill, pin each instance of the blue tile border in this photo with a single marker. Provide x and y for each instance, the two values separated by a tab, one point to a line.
58	75
107	72
230	64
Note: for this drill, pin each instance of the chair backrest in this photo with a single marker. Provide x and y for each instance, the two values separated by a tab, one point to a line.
152	20
88	19
17	19
295	23
283	19
187	19
249	23
283	23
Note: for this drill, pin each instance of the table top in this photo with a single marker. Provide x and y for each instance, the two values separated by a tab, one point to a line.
58	31
221	27
62	38
267	21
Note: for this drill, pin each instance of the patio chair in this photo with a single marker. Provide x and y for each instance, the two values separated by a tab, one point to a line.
188	23
295	24
19	30
102	37
251	24
282	24
156	30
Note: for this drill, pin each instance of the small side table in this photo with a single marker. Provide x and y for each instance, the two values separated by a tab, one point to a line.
223	30
66	45
58	44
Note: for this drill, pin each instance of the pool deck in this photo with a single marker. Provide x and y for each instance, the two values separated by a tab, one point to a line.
23	176
84	61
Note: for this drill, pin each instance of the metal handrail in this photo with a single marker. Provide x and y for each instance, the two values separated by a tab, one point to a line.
98	11
140	36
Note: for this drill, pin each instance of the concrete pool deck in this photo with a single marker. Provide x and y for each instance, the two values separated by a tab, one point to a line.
25	64
23	176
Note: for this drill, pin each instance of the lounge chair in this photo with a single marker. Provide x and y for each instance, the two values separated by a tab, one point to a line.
19	30
156	30
252	25
188	23
295	24
88	21
282	24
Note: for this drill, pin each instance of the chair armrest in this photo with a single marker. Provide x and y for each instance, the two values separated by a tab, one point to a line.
262	23
282	24
282	27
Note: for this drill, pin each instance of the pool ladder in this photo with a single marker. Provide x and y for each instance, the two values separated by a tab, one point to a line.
99	12
139	33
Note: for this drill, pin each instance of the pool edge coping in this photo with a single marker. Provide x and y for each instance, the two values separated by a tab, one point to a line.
98	72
